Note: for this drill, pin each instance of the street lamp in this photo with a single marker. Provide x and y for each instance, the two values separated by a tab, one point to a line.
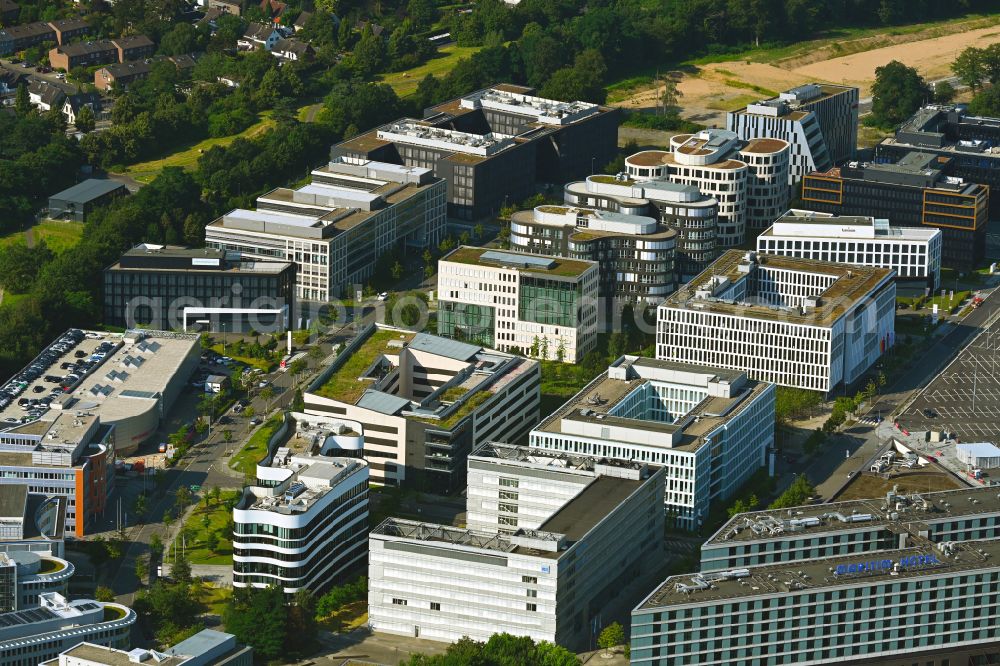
223	324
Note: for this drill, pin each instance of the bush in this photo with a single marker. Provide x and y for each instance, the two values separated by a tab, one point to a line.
797	494
340	596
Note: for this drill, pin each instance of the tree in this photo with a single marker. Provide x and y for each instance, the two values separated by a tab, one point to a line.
22	102
180	570
397	270
970	68
266	394
477	231
182	498
944	92
85	120
297	367
20	265
611	636
986	102
216	492
141	569
140	507
183	38
561	350
155	545
796	495
212	541
898	91
301	627
258	617
104	594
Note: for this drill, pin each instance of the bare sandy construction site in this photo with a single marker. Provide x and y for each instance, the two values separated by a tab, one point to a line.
709	91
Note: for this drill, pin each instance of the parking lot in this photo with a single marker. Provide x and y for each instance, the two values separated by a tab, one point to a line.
965	398
57	370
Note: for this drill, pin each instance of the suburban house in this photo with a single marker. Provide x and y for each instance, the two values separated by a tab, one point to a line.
83	54
69	29
377	29
45	96
120	73
73	104
258	36
135	47
9	11
19	37
9	81
226	6
292	49
272	8
301	20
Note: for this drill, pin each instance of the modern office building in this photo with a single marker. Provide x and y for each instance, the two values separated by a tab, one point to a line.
336	228
175	288
635	254
914	253
971	144
558	582
31	522
748	179
39	634
902	580
534	305
76	202
818	120
492	145
206	648
680	208
69	457
915	191
136	384
795	322
710	429
424	402
303	524
25	576
854	527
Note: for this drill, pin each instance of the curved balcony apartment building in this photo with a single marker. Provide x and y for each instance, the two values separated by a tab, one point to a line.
692	215
749	179
635	253
305	522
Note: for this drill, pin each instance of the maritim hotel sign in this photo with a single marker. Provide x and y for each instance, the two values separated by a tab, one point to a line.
871	566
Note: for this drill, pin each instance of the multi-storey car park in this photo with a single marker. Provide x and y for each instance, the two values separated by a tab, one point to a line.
303	524
914	253
709	428
853	527
526	304
171	288
336	228
915	191
424	402
748	179
492	145
971	143
594	547
795	322
911	578
818	120
34	635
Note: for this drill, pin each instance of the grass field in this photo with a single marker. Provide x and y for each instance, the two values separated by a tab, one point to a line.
59	235
187	158
405	83
197	532
246	459
347	618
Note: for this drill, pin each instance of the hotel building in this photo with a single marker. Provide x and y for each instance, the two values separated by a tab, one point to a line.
914	253
709	429
795	322
539	306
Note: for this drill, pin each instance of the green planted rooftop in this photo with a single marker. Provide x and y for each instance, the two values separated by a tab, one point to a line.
464	410
344	383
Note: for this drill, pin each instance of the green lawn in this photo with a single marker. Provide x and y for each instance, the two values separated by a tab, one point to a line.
343	384
187	157
264	364
405	83
11	299
59	235
246	459
733	103
196	533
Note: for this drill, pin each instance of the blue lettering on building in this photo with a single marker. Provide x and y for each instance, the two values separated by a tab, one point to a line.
905	562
